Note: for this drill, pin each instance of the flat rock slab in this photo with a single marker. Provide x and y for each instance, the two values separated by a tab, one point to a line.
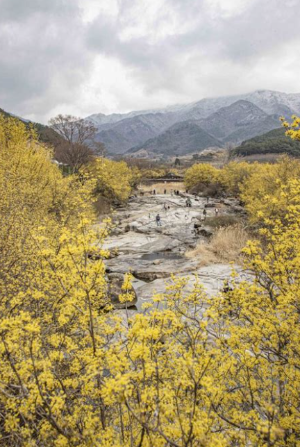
133	242
150	270
212	278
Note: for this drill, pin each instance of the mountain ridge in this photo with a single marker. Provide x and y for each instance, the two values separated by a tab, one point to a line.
228	119
264	99
180	139
124	133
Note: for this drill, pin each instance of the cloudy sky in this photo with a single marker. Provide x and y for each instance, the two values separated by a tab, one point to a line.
89	56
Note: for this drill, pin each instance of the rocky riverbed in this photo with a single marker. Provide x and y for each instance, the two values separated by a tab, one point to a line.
152	252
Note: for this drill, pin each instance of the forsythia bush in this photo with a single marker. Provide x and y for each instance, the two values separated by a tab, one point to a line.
153	173
264	188
200	173
233	175
189	372
114	179
51	295
266	191
293	129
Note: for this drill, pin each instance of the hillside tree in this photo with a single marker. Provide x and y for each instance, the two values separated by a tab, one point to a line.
80	145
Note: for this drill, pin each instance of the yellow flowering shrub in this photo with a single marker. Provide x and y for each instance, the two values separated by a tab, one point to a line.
234	174
51	296
266	192
114	179
293	128
200	173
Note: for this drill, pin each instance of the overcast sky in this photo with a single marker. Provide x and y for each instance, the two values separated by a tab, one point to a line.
89	56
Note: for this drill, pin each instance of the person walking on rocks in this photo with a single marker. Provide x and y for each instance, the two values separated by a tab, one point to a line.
158	221
204	214
188	203
217	212
227	289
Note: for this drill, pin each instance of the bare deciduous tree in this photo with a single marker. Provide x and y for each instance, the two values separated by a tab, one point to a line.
74	129
74	155
80	145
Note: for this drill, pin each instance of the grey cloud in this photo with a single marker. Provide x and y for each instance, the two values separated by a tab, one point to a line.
16	10
263	29
42	58
266	26
47	51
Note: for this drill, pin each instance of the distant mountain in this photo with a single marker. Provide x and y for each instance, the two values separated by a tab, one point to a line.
45	133
275	103
180	139
233	123
234	120
271	102
275	142
229	119
102	120
268	123
130	132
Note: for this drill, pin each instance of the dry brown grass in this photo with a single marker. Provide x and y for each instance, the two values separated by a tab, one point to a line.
225	220
261	158
225	246
103	206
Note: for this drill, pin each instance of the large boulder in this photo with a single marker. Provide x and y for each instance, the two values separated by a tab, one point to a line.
115	282
204	231
148	275
239	209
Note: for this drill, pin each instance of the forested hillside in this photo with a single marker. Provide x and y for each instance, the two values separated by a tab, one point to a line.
271	142
45	133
